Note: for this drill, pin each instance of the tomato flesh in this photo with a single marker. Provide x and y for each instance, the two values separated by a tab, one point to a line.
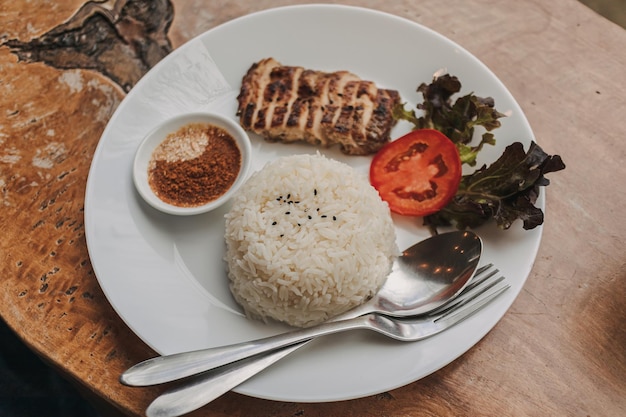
417	174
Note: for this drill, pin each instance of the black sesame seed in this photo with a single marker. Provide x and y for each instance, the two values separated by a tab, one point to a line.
288	196
282	235
315	191
287	212
334	218
274	223
309	217
324	216
299	225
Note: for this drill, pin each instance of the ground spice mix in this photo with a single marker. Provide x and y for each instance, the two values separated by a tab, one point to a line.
195	165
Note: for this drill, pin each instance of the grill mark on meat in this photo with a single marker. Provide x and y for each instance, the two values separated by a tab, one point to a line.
288	104
247	115
280	93
362	110
316	105
343	123
307	92
382	109
339	85
251	93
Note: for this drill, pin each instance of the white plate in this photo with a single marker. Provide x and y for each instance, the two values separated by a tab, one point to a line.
164	275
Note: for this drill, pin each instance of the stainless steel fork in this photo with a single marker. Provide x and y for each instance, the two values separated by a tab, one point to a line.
204	388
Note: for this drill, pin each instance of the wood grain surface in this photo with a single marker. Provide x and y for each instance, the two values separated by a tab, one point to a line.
559	351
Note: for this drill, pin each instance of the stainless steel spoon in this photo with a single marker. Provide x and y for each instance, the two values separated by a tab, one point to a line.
423	278
204	388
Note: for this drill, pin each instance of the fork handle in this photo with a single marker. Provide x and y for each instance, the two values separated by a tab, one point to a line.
204	388
172	367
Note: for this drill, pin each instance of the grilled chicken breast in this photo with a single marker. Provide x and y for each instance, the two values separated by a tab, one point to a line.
289	104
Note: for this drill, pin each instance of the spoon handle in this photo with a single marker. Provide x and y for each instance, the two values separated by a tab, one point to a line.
172	367
204	388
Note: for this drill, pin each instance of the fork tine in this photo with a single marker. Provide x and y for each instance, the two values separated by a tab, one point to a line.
471	306
474	292
483	273
482	280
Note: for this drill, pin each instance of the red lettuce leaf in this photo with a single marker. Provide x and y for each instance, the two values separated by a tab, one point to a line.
457	119
505	191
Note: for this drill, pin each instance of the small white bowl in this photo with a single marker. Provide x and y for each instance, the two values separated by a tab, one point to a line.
158	134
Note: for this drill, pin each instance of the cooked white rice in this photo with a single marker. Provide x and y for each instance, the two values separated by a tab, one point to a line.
307	238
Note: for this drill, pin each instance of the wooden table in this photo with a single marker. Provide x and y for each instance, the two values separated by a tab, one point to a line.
561	348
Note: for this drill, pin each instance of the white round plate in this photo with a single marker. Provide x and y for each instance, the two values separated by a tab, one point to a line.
164	275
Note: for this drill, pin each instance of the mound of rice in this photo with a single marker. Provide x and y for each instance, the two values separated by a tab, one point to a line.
307	238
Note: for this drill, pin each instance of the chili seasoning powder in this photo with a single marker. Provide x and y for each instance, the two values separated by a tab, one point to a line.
194	165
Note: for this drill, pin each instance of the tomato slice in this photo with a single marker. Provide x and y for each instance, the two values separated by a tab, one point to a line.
417	174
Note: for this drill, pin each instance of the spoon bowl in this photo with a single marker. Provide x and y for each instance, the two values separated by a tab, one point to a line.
423	278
